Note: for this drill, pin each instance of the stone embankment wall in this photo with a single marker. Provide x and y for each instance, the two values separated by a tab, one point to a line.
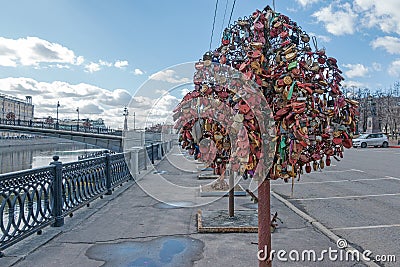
12	142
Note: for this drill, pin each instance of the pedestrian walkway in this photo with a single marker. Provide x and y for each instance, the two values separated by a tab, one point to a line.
130	228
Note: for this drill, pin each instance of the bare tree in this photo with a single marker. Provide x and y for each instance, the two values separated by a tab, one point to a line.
382	103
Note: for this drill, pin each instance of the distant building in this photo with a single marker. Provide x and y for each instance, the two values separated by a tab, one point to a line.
13	108
154	128
168	129
98	123
160	128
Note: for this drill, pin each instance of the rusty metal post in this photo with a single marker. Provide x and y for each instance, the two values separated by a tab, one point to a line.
231	194
264	222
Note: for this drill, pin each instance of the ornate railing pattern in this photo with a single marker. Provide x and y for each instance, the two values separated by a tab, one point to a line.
82	182
94	154
25	203
119	171
33	199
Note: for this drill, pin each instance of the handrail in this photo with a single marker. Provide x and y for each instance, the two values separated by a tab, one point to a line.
33	199
57	126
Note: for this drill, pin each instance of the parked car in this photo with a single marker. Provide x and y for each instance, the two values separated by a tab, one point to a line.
372	139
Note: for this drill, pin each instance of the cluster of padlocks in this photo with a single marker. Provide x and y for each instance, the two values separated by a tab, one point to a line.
294	78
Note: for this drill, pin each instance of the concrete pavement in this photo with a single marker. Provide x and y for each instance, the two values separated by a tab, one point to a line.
131	228
357	198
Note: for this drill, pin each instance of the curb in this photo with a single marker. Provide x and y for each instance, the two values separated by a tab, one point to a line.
222	229
321	228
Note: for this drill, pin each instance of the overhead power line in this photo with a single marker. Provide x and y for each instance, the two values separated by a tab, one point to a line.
230	17
213	26
223	20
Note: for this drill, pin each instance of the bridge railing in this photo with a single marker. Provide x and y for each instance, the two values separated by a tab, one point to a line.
58	126
94	154
33	199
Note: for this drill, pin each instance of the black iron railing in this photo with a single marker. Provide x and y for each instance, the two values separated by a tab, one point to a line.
95	154
119	172
26	203
36	198
60	126
83	181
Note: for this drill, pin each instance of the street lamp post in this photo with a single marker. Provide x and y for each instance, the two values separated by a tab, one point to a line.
57	124
126	113
77	124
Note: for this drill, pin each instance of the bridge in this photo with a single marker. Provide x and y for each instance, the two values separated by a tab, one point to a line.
112	142
102	137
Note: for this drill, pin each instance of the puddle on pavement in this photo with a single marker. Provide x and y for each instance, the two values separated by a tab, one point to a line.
174	205
159	252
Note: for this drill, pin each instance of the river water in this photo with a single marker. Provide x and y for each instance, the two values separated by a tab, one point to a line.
22	157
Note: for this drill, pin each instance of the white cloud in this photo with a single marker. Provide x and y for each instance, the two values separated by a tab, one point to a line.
154	109
169	76
378	13
92	67
79	60
323	38
394	68
351	84
356	70
150	111
96	66
93	102
184	91
31	51
306	2
376	66
8	61
389	43
105	63
160	110
39	53
60	66
138	72
121	64
339	22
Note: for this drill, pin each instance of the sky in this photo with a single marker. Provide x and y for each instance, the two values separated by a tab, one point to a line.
99	55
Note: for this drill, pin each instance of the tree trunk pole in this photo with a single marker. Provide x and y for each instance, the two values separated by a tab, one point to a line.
264	223
231	194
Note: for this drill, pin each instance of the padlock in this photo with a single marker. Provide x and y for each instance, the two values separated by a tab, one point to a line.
315	80
308	167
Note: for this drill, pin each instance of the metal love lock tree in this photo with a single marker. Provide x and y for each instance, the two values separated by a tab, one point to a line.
283	115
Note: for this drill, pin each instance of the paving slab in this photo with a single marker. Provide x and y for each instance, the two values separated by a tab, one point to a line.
122	226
